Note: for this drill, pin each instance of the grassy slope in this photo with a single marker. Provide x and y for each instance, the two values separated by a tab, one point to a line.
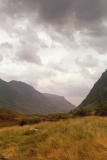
11	118
74	139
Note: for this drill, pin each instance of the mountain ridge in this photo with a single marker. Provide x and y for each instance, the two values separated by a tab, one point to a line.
22	97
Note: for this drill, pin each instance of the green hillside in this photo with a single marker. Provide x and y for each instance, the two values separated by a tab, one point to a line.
97	98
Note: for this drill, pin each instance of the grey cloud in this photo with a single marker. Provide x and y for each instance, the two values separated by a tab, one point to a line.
89	11
96	38
90	76
1	58
28	48
97	31
78	91
55	11
49	10
24	50
28	54
89	61
58	67
99	45
6	45
4	49
64	17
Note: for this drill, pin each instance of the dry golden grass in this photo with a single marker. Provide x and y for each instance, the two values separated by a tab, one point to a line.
74	139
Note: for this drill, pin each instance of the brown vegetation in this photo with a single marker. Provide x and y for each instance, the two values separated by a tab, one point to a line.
81	138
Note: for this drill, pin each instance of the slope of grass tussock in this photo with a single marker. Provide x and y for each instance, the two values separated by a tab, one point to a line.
73	139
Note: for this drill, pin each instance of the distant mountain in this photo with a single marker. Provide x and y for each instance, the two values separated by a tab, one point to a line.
59	102
97	98
23	98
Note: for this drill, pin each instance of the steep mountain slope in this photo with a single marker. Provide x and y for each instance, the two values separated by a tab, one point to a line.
31	100
59	102
23	98
8	95
97	98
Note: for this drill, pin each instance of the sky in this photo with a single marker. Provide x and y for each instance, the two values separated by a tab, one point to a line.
57	46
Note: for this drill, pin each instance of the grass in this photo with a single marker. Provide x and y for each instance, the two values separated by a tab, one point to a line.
83	138
10	118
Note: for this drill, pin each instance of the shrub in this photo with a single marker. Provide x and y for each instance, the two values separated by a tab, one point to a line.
101	111
22	122
29	121
81	112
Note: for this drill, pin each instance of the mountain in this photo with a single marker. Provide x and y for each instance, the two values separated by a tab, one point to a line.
23	98
59	102
97	98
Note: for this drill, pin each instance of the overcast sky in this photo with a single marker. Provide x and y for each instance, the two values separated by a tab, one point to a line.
58	46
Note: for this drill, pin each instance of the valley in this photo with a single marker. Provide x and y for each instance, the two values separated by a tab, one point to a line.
48	127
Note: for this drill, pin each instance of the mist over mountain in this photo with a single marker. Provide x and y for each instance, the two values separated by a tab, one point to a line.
23	98
59	102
